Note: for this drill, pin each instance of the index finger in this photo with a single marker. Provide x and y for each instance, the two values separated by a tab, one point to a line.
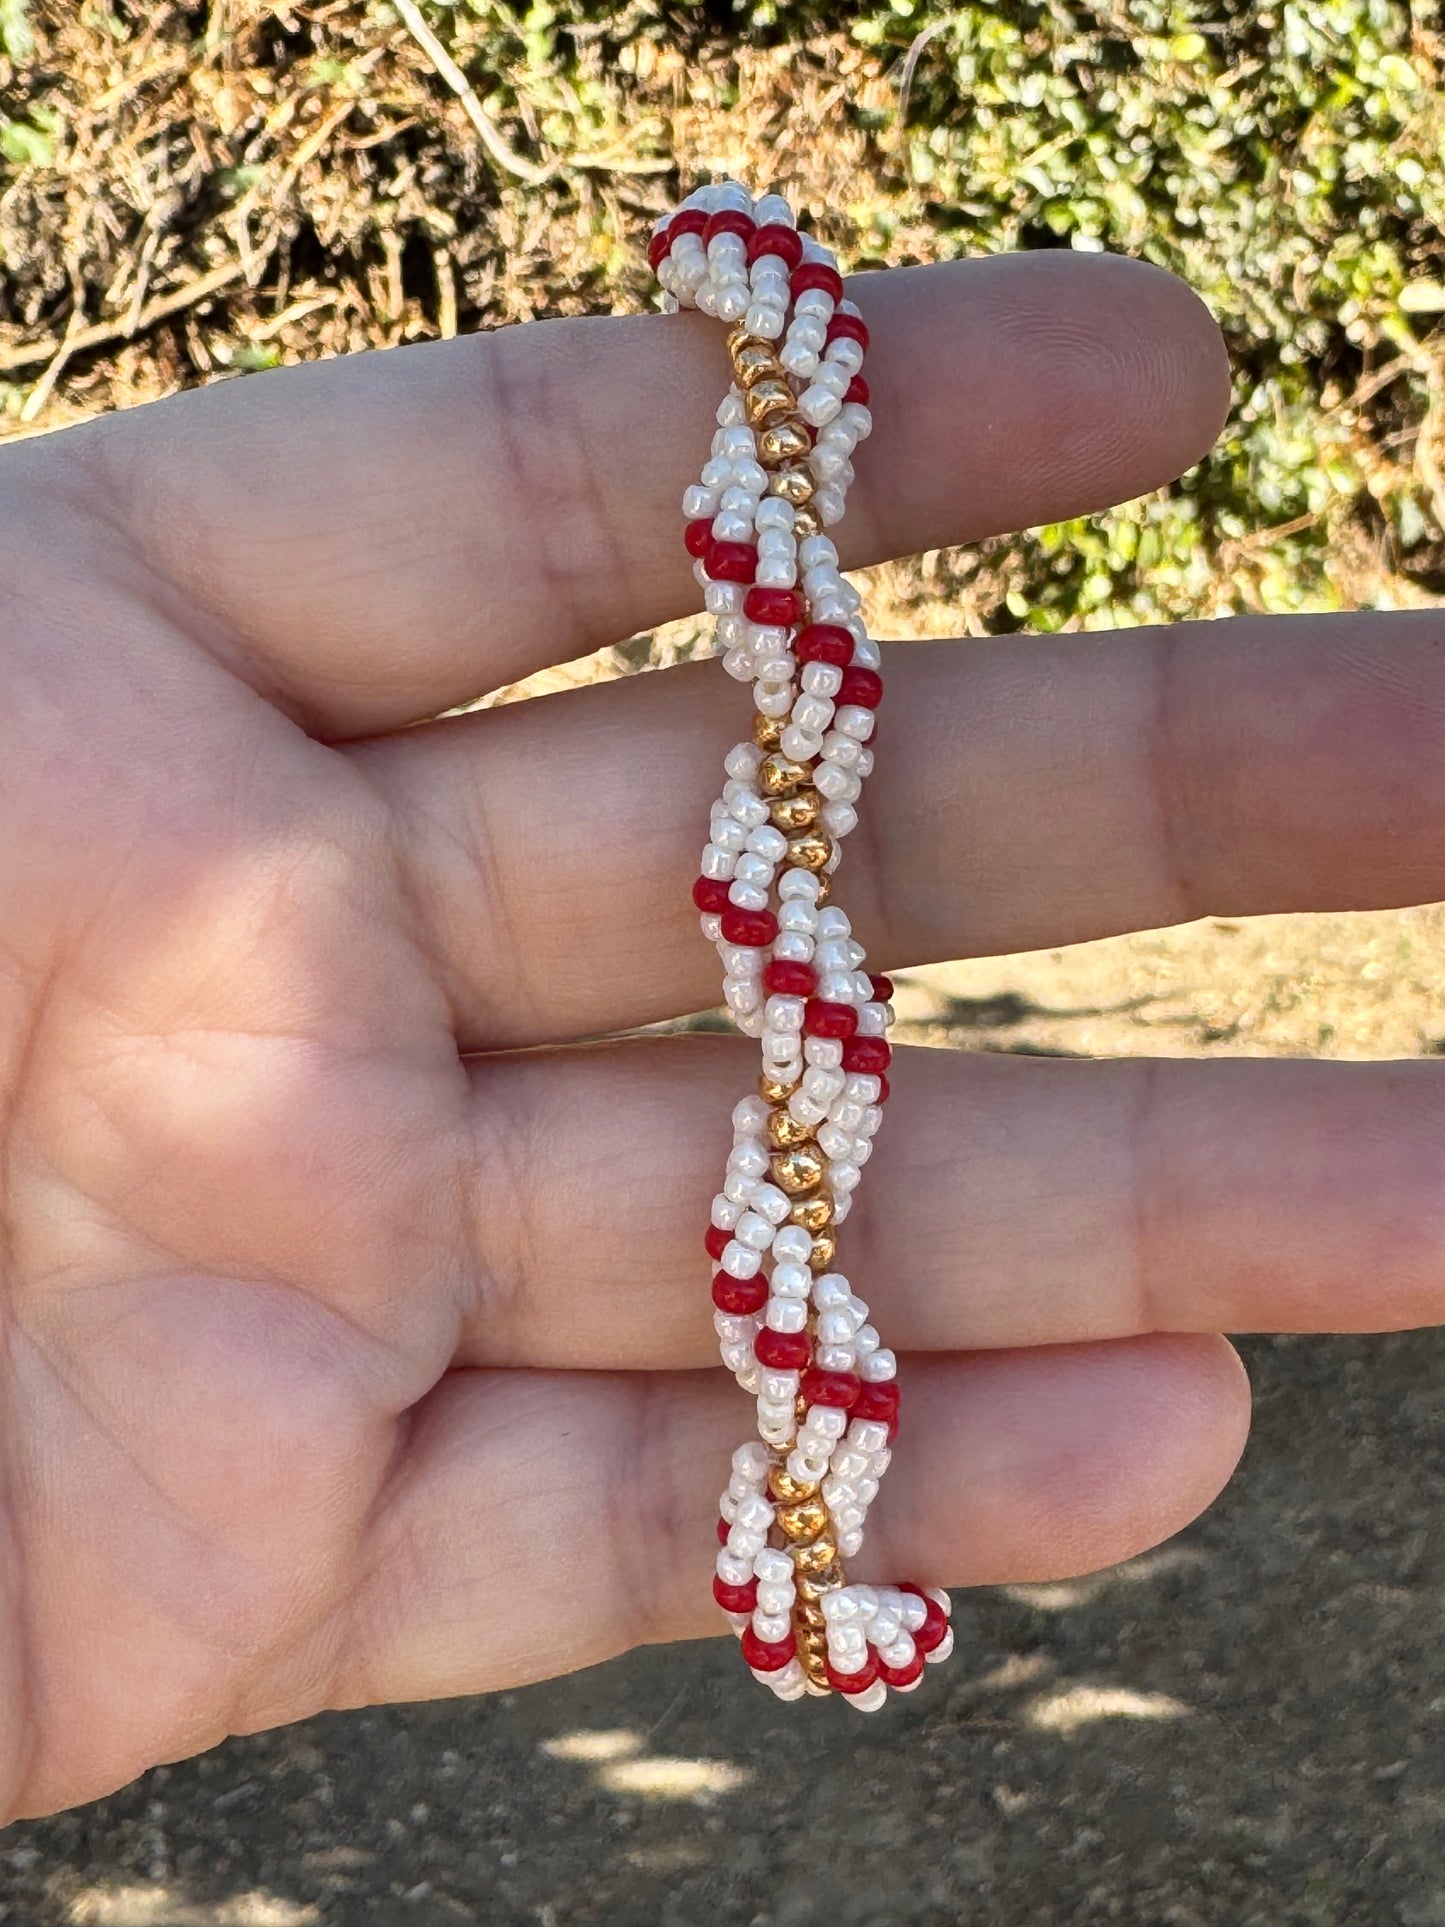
379	537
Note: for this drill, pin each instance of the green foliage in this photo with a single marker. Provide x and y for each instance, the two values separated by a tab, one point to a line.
30	143
16	38
1285	161
1288	161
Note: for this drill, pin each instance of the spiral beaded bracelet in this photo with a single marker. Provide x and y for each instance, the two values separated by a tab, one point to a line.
795	1336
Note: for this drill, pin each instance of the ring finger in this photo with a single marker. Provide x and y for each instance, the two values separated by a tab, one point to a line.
1012	1201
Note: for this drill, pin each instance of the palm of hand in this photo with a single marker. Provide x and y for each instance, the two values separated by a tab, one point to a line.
338	1362
236	1121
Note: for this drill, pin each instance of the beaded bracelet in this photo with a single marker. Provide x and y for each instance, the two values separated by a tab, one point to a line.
796	1336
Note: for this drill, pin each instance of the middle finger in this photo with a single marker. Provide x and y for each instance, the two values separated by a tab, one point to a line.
1029	792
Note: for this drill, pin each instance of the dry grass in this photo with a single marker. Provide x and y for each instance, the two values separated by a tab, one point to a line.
300	180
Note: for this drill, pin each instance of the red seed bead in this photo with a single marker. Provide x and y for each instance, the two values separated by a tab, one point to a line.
879	1402
857	390
774	606
825	642
658	248
782	979
754	927
882	987
858	1682
740	1296
697	538
870	1055
710	894
735	1599
902	1675
877	1399
848	327
822	1019
838	1389
884	1088
931	1632
861	686
817	274
773	238
728	220
723	1529
781	1351
688	220
717	1242
732	561
767	1656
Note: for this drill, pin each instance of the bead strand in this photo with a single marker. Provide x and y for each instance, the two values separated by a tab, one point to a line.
791	1329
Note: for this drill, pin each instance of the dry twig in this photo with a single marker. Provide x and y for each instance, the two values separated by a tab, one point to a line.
452	74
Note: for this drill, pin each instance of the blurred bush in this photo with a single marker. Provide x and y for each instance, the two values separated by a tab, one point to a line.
219	187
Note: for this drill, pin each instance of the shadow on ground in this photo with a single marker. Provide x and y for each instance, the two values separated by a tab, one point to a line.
1243	1727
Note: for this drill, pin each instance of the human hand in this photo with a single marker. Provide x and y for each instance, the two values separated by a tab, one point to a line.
344	1360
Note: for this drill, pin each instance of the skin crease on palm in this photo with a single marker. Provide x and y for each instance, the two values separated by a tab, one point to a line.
350	1351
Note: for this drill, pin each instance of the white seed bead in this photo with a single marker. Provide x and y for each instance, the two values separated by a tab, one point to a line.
814	714
822	679
790	1280
787	1315
725	1212
800	744
771	1203
793	946
740	1260
747	896
753	1229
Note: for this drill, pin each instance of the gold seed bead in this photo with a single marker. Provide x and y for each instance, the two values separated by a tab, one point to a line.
755	361
825	1250
784	442
768	730
775	1090
803	1521
779	774
817	1558
797	812
739	338
813	1586
807	522
810	851
783	1131
786	1489
813	1214
798	1169
769	401
793	485
813	1652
